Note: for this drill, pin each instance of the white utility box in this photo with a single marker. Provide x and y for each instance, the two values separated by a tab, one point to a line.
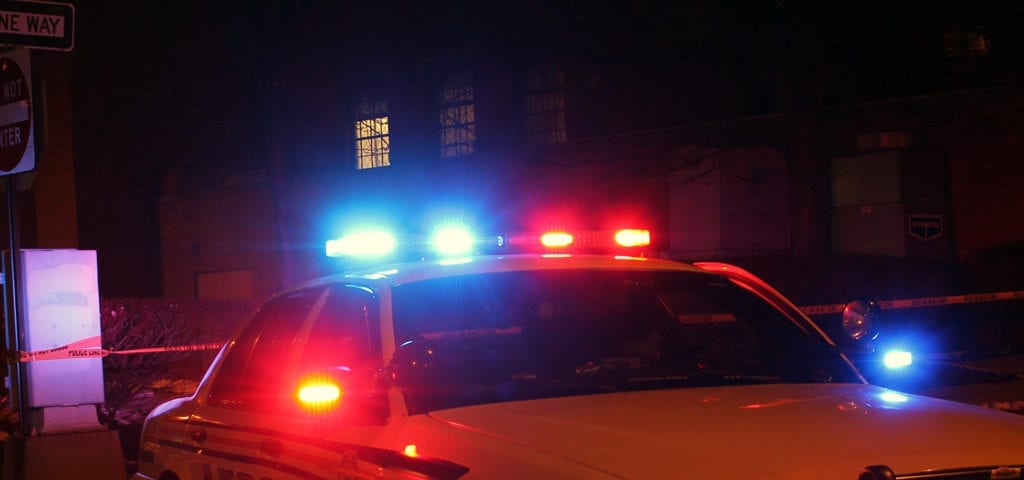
60	305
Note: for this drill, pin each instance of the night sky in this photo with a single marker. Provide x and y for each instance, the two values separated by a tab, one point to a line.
181	83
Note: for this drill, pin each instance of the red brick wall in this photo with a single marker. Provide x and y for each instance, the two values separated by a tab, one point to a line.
56	208
986	164
218	230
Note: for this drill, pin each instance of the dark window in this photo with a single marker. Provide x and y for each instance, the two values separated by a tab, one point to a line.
346	334
344	343
279	345
457	116
523	335
253	368
545	106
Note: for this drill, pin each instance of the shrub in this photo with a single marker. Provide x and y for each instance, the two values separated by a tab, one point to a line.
135	383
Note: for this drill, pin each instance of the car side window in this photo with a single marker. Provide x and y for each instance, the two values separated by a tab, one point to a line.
346	334
252	373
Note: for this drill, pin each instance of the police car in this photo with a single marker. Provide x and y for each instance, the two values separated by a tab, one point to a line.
566	364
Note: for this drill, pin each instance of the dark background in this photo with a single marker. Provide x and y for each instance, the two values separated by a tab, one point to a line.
196	86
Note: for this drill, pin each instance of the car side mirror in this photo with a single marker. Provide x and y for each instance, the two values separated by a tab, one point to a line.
860	321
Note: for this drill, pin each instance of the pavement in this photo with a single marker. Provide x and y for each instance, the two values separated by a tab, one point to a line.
992	382
1011	363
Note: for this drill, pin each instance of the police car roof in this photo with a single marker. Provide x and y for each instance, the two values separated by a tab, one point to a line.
400	273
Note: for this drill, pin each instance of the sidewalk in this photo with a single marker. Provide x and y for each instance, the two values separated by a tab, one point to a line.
1013	363
1007	395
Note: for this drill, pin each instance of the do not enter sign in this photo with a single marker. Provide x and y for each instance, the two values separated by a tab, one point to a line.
17	152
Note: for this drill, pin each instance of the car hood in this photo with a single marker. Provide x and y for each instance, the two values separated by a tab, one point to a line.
760	431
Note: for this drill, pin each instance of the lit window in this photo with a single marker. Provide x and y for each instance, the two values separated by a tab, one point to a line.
373	140
545	106
457	116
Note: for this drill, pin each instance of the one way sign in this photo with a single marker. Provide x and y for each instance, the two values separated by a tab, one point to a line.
44	25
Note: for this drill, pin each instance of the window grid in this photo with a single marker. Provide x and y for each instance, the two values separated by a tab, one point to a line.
372	135
373	143
545	106
457	117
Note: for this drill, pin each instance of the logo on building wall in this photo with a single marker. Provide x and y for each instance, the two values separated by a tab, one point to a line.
925	227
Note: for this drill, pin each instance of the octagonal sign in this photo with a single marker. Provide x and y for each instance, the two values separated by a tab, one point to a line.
17	146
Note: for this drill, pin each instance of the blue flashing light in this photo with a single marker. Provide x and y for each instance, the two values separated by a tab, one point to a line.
453	241
361	244
896	359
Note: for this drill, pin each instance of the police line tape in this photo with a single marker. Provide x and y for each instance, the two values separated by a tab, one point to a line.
91	347
922	302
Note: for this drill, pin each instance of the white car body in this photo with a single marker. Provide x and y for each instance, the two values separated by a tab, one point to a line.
772	430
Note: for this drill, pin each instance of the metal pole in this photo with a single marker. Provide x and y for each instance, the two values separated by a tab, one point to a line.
13	343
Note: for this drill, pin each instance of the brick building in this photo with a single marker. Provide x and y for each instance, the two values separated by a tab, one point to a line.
812	134
927	178
220	238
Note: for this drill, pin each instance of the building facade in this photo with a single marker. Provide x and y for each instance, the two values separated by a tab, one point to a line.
937	185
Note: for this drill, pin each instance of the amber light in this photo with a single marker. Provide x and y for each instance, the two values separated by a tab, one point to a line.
556	239
632	237
319	394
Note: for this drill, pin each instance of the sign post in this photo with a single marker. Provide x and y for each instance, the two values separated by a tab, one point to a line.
57	404
17	154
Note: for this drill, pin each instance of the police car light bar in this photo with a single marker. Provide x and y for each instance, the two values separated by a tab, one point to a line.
454	241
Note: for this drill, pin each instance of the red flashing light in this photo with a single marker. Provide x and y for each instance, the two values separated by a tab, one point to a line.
564	241
318	394
632	237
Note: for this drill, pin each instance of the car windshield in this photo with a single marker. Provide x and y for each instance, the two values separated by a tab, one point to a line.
494	337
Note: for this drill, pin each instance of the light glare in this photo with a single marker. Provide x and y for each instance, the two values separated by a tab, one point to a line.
893	397
556	239
455	261
319	393
897	359
632	237
361	244
453	241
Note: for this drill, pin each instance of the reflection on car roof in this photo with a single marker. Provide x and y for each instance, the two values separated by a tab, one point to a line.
415	271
